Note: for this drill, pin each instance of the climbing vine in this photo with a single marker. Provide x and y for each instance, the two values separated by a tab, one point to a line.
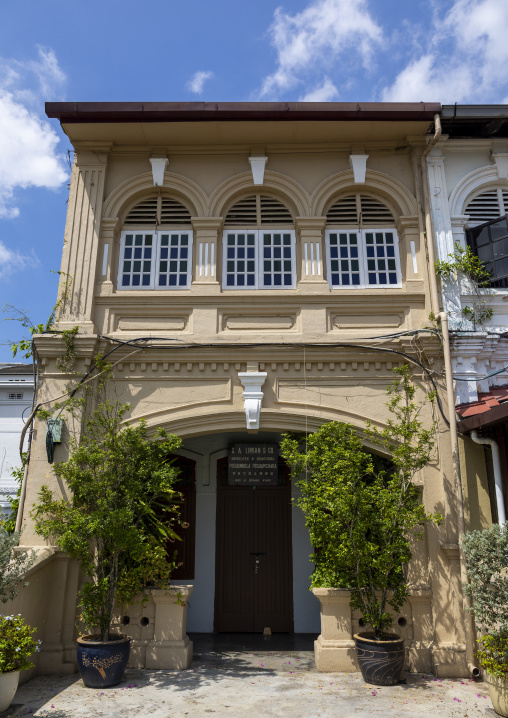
463	263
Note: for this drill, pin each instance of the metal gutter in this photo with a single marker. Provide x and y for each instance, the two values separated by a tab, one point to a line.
498	475
473	112
72	112
454	443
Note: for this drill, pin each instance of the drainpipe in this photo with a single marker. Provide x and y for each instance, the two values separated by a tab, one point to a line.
442	317
498	478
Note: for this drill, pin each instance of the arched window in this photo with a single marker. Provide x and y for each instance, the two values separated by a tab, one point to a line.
487	234
259	245
362	244
156	246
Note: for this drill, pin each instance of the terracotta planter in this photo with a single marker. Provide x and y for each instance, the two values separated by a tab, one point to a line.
101	664
8	687
498	691
381	662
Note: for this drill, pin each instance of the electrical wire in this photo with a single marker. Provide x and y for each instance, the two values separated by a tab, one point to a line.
181	344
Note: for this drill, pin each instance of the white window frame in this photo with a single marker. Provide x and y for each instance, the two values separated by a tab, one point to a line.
362	258
258	259
155	259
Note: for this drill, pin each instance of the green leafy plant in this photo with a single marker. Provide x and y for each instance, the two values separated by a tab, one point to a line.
13	566
362	512
464	263
117	478
16	644
486	554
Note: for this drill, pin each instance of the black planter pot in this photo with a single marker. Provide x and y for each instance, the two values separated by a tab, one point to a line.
381	662
101	665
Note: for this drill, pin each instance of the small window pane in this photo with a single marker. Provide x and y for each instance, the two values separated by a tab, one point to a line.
136	261
349	264
377	264
175	272
273	251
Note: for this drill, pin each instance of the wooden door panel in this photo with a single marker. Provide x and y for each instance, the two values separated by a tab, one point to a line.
234	573
273	583
248	522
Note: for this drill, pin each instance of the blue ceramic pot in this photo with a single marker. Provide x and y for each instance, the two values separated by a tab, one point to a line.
101	665
381	662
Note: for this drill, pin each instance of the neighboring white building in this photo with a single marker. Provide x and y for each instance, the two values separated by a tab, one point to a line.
16	392
468	182
468	178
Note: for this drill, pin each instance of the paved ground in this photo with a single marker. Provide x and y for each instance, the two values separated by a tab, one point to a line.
258	680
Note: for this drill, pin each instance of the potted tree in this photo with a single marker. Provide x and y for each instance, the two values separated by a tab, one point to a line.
117	479
486	554
362	513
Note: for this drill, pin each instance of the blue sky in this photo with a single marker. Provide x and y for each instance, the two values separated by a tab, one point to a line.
228	50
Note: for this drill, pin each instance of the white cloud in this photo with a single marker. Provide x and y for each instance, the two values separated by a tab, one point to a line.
197	82
9	260
324	31
28	144
465	61
327	92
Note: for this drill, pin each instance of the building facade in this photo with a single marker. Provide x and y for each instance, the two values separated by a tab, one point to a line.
16	393
468	179
261	268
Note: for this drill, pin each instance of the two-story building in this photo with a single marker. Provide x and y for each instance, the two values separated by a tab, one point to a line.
265	265
16	393
468	179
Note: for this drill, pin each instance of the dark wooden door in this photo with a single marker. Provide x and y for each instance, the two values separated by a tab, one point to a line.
254	582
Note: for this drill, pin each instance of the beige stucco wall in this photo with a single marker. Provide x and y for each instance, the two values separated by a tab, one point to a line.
195	389
477	508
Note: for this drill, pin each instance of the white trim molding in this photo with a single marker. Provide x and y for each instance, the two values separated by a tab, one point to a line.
159	165
252	382
257	165
358	164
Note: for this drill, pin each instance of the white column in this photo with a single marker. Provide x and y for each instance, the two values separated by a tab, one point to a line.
310	232
207	237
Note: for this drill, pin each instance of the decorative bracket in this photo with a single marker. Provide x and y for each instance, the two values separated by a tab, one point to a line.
159	165
501	160
252	396
257	165
359	166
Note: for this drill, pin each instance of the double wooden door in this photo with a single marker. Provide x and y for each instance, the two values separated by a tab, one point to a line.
253	587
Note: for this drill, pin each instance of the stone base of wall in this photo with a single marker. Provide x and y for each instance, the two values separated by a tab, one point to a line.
334	649
157	622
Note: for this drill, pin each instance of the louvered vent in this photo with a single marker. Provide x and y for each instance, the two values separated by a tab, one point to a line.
374	211
274	212
242	213
143	213
173	212
343	211
258	210
354	208
488	205
158	210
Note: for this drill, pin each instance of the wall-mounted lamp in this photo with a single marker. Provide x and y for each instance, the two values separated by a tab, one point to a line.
159	165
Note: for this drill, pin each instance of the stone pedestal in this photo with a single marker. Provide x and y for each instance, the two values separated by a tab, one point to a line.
334	649
170	646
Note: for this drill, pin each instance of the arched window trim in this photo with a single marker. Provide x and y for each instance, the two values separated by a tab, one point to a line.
259	252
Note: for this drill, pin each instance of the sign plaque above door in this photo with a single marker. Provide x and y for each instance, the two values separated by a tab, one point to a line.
253	464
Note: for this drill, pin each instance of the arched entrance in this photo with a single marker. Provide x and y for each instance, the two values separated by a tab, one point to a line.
253	585
235	590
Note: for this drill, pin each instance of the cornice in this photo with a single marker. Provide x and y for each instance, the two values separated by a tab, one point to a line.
214	223
310	223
